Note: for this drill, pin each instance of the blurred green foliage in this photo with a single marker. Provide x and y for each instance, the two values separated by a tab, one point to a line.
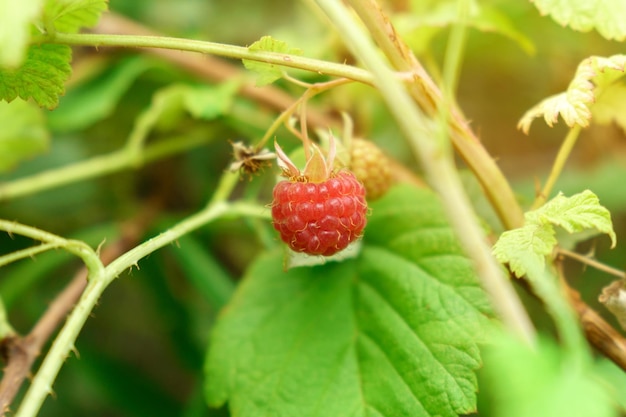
141	354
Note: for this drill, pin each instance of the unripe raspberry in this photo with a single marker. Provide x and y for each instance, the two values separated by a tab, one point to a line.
318	211
371	167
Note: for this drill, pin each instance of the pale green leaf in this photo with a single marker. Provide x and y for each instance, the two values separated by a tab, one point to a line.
593	75
171	103
605	16
524	381
23	134
96	98
41	77
577	213
268	73
611	106
525	249
15	21
384	334
419	25
72	15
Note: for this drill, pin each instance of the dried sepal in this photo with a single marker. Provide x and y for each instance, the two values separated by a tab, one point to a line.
248	159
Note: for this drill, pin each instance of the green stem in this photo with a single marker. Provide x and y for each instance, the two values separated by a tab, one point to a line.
419	130
64	343
26	253
96	166
426	93
230	51
561	158
6	330
76	247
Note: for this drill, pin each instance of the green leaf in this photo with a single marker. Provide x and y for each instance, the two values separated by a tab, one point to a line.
593	75
521	381
41	77
15	21
170	104
97	98
23	134
384	334
71	15
525	249
611	106
425	20
605	16
268	73
577	213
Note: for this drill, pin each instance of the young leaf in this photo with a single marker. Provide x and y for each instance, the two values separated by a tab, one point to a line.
23	134
71	15
577	213
525	249
383	334
268	73
606	16
15	20
574	105
41	77
611	106
521	381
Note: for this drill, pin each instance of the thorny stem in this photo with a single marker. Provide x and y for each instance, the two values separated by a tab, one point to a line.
561	158
419	129
231	51
426	93
76	247
101	278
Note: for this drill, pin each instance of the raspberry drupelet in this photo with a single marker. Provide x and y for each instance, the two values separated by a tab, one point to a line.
318	211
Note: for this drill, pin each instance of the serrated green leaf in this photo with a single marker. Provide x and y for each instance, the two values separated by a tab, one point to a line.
71	15
15	20
574	105
525	249
577	213
268	73
611	106
384	334
23	134
605	16
41	77
523	381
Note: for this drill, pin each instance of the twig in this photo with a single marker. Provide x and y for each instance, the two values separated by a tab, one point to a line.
21	352
209	67
592	263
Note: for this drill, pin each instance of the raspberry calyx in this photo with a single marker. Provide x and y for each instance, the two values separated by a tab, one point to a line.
318	211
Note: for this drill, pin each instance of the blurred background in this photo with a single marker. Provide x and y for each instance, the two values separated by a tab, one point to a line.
141	354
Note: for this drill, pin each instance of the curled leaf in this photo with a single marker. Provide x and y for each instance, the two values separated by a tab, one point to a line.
574	105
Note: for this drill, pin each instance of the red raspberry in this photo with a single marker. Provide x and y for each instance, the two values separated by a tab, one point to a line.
320	218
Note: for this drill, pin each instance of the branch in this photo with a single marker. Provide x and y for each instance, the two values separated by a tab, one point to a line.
210	68
21	352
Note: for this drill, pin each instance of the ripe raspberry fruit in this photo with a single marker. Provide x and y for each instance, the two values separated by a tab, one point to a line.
316	211
371	166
